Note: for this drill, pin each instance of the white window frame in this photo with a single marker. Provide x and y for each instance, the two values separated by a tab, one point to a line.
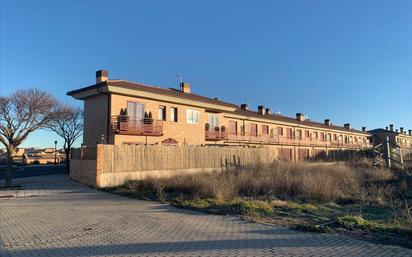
213	120
162	112
174	114
192	116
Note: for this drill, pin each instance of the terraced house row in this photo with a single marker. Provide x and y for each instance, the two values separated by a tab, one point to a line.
122	112
397	137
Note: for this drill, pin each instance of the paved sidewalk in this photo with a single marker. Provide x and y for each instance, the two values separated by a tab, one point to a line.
54	216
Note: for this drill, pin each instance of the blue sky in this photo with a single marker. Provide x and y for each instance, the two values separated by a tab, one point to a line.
350	61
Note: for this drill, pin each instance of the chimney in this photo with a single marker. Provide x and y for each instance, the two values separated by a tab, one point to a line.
300	116
363	129
410	132
268	111
401	130
327	122
391	127
185	87
396	130
347	126
101	76
386	128
261	110
244	107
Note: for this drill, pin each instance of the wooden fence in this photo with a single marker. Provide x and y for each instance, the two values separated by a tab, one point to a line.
116	164
129	157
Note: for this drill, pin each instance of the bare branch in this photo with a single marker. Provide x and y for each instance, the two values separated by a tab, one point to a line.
68	124
23	112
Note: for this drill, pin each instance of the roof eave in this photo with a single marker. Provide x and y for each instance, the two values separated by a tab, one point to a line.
93	90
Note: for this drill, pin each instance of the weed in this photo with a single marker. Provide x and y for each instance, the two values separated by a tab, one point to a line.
352	222
313	228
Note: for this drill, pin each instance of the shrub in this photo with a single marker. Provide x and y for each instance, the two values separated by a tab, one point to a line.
238	206
251	208
352	222
313	228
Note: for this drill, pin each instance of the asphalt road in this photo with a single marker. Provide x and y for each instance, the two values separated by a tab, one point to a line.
33	170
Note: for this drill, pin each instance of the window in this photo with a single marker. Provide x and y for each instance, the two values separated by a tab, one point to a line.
335	137
243	130
135	110
173	114
322	136
213	120
307	134
232	127
253	129
316	135
265	129
298	134
328	137
162	112
192	116
280	131
289	132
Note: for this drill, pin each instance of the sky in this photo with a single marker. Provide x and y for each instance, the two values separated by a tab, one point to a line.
350	61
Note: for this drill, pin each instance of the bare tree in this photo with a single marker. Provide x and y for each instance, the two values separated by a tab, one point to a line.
21	113
69	126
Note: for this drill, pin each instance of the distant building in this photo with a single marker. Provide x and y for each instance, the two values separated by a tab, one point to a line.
122	112
35	156
43	156
400	137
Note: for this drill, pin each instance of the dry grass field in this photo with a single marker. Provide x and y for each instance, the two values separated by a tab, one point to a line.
350	198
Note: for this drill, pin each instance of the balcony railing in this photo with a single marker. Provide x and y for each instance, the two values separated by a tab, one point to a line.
280	140
215	135
125	125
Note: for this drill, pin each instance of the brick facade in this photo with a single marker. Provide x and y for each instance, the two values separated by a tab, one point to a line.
202	121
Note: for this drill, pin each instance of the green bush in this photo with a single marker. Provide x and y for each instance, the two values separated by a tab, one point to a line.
244	207
313	228
197	203
352	222
252	208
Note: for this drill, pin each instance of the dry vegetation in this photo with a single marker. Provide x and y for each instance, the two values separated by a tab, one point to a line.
316	197
283	180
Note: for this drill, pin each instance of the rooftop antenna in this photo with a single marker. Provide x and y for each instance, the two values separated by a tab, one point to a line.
179	78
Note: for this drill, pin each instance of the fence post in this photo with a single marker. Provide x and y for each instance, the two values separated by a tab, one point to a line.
388	153
401	158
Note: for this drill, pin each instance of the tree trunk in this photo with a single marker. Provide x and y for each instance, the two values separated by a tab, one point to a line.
11	150
67	151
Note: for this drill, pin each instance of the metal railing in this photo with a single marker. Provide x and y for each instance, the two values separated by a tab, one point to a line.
213	135
284	140
126	125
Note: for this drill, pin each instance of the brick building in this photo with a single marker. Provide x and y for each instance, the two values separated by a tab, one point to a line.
123	112
400	137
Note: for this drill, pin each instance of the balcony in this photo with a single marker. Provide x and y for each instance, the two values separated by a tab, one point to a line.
125	125
215	135
283	140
